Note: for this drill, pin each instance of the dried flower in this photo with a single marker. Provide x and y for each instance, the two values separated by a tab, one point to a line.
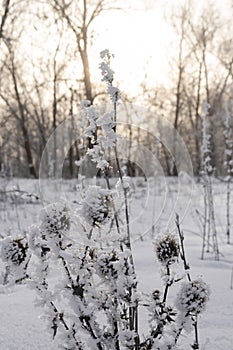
96	207
167	249
55	219
106	264
108	75
193	297
14	250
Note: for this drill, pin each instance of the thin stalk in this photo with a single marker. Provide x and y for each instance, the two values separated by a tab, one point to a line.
228	211
86	249
116	329
114	208
182	252
178	333
204	223
133	311
196	340
208	213
167	285
231	284
213	224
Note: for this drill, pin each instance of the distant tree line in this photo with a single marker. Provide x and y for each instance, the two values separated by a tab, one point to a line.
45	74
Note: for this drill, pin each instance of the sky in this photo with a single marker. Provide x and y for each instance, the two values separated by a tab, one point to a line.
138	35
139	38
142	41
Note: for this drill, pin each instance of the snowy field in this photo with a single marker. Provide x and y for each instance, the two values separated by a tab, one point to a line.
153	205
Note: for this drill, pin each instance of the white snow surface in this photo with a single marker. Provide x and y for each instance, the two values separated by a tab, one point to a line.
21	324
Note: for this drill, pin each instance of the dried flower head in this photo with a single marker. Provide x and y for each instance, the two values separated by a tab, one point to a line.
167	249
193	297
106	264
14	250
55	219
96	208
108	75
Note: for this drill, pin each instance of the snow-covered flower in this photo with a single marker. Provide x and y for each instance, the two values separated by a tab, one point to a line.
97	156
107	264
50	234
90	115
15	255
106	71
14	251
105	53
55	219
96	208
193	297
167	249
109	137
108	75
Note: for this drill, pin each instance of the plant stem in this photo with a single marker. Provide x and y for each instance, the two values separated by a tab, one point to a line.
167	285
182	253
196	341
228	211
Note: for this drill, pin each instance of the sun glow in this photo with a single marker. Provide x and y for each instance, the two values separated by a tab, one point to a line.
138	35
142	40
139	42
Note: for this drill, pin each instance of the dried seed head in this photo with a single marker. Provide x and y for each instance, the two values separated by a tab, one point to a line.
193	297
97	206
14	250
167	249
106	264
55	219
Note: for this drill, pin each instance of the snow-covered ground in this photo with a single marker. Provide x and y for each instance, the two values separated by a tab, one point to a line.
154	203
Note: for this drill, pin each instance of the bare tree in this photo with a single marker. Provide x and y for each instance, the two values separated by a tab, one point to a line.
179	21
5	10
20	113
79	17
